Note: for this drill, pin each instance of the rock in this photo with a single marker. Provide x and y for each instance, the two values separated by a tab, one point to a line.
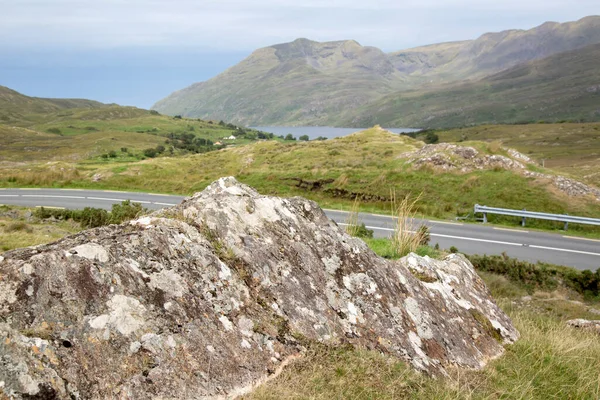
446	156
206	299
97	178
593	326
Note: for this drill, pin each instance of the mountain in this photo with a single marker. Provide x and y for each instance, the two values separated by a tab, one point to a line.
494	52
564	86
298	81
15	106
311	83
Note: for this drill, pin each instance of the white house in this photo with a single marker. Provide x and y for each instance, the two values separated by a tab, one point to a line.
230	138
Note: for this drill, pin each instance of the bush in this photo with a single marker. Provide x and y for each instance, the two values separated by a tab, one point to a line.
124	149
289	136
150	153
453	249
154	112
56	131
112	154
541	275
304	138
95	217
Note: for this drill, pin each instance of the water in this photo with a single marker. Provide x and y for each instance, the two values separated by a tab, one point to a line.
314	132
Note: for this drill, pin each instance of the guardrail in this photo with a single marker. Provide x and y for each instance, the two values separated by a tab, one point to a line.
524	214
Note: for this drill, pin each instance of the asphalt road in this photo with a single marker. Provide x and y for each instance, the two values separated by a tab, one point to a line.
468	238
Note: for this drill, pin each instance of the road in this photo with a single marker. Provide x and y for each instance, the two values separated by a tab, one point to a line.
468	238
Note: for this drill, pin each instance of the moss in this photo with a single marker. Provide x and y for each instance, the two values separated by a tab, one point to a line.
486	324
423	277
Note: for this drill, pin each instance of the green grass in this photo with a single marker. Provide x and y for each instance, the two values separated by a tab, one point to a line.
19	229
568	148
368	165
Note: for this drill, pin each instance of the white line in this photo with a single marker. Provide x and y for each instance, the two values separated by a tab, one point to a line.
104	199
28	189
44	196
164	204
446	223
9	195
476	240
567	250
118	200
510	230
580	238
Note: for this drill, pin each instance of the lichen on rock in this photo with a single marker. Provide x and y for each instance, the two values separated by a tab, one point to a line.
209	298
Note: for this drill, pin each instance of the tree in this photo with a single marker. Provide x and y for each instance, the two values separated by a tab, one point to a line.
112	154
304	138
289	136
160	149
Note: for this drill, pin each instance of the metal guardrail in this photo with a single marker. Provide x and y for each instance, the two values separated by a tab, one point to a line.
524	214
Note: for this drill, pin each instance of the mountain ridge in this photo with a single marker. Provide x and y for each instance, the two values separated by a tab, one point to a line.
309	83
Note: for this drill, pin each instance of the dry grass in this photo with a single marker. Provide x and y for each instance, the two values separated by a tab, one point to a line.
550	361
352	219
18	230
407	236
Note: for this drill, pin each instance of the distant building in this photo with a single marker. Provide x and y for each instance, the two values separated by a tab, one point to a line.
230	138
218	144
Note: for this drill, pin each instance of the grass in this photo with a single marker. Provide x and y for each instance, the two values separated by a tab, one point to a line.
567	147
550	360
19	229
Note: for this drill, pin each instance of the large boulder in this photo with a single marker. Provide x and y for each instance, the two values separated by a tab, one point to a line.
210	298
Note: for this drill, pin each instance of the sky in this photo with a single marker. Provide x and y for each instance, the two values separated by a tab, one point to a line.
135	52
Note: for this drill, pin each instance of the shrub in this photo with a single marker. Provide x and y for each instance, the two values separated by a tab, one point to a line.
453	249
541	275
304	138
56	131
112	154
95	217
124	149
150	153
154	112
289	136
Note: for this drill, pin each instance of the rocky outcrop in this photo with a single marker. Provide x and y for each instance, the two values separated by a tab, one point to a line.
209	298
449	157
464	159
592	326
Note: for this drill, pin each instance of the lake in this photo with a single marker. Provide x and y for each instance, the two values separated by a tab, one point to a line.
314	132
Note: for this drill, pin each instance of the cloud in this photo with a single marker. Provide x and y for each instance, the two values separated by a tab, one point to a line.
240	25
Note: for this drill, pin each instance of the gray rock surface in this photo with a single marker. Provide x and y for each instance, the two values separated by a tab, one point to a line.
209	298
591	325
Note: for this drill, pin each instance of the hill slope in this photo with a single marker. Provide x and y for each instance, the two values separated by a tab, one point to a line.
310	83
565	86
16	107
298	81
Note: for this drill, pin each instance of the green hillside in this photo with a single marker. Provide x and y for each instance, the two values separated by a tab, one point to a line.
369	165
565	86
345	84
18	109
35	129
289	83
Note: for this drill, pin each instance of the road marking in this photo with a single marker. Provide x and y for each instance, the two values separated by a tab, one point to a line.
476	240
9	195
446	223
28	189
510	230
567	250
55	208
43	196
118	200
164	204
580	238
104	199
